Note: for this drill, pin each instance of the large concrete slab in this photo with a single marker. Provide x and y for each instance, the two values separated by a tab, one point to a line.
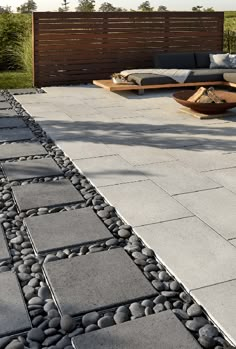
177	178
216	207
11	123
233	242
82	149
16	150
4	252
31	169
96	281
226	178
109	170
203	254
220	303
204	159
52	193
66	229
5	105
143	203
13	315
15	134
160	331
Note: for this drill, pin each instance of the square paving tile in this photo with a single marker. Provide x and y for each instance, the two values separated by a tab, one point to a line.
204	254
96	281
225	177
7	113
177	178
216	207
160	331
4	252
13	315
31	169
109	170
16	150
66	229
15	134
2	99
20	91
47	194
5	105
220	303
143	202
11	123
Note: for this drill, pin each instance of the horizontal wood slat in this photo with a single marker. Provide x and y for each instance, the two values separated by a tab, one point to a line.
76	47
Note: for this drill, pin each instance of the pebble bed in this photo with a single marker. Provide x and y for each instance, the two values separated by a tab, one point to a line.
52	331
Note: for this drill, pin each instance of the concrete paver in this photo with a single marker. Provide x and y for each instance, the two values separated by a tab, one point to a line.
96	281
130	201
15	134
195	242
31	169
233	242
177	178
150	332
5	105
216	207
11	123
46	194
4	252
220	303
13	315
108	170
7	113
224	177
16	150
66	229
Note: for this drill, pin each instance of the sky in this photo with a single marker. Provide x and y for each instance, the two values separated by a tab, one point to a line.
176	5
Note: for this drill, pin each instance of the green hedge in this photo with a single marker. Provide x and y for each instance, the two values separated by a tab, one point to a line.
14	28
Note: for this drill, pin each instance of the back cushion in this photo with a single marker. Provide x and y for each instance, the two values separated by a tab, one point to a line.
174	60
202	60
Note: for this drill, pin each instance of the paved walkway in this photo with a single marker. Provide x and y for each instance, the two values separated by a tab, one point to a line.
169	175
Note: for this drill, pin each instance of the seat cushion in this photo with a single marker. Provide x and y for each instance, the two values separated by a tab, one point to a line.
174	60
205	75
230	77
150	79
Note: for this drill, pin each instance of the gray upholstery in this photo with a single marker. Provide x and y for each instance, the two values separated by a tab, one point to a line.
196	75
230	77
202	60
174	60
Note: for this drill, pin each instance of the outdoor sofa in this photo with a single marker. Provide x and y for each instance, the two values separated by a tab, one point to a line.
201	74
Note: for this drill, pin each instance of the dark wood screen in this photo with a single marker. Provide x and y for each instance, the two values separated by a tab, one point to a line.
77	47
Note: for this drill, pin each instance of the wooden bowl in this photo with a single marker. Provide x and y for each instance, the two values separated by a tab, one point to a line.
207	108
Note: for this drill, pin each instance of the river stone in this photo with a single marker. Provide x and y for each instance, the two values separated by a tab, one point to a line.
36	334
208	331
194	310
90	318
112	272
149	332
52	193
81	226
10	294
196	323
67	323
15	344
120	317
105	321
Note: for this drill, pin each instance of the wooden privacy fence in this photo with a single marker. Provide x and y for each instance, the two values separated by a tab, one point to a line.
77	47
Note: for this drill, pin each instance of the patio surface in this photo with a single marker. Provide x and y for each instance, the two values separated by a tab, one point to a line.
170	176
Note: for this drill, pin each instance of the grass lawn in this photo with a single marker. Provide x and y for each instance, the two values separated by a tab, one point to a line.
15	80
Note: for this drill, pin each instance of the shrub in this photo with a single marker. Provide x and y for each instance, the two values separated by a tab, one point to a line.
14	29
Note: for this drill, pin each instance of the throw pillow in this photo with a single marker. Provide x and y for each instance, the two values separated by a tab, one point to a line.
220	60
232	60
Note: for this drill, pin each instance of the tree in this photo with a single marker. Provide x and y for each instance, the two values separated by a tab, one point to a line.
86	6
197	8
5	9
145	7
202	9
107	7
208	9
65	6
27	7
162	8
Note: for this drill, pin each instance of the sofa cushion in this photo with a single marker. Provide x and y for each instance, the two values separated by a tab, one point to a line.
230	77
220	60
174	60
202	60
150	79
205	75
232	60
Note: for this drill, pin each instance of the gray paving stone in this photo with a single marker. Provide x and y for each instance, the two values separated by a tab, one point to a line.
13	315
22	91
11	123
95	281
160	331
220	303
196	241
66	229
216	207
15	134
4	252
233	242
5	105
52	193
16	150
2	99
31	169
225	177
7	112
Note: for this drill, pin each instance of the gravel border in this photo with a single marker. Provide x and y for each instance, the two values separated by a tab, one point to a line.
51	331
